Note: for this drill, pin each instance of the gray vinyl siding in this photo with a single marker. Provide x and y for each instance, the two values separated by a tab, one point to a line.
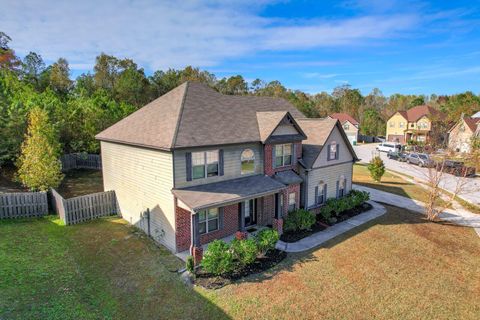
344	155
232	164
285	129
142	179
329	175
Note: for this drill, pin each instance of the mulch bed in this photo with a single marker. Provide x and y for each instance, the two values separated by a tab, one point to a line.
322	224
209	281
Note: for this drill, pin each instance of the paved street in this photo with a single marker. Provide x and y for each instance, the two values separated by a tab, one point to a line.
471	190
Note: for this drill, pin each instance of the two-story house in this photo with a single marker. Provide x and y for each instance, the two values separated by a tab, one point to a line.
460	136
350	125
413	124
195	165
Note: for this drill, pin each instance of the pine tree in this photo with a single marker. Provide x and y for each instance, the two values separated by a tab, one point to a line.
39	167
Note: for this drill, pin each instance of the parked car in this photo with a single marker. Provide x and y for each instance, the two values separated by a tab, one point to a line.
389	147
397	155
420	159
456	168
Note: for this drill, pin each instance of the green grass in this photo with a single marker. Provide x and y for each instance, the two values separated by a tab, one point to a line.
98	270
81	182
390	183
397	266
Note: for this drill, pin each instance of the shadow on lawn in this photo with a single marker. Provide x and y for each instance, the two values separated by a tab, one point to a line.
111	270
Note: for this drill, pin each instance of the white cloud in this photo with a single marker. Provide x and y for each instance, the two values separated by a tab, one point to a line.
162	34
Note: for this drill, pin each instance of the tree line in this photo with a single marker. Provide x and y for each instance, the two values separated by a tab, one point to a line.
80	108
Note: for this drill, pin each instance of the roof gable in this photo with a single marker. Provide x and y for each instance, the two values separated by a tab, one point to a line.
318	132
344	117
269	124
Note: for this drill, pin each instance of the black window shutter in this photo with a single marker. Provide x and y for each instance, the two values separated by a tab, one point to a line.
220	218
188	161
316	195
328	151
273	156
324	193
337	190
294	161
338	151
220	162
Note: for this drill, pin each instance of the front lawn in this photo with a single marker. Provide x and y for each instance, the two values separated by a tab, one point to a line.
390	182
398	266
97	270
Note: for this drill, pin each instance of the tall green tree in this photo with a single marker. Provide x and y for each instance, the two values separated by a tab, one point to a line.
39	167
60	77
32	67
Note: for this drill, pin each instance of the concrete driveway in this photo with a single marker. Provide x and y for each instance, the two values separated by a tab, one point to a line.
471	192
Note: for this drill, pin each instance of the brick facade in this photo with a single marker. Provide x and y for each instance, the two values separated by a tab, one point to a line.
266	210
183	227
268	161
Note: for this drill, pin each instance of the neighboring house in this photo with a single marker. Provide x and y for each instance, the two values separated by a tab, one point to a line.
461	134
350	125
414	124
327	162
195	165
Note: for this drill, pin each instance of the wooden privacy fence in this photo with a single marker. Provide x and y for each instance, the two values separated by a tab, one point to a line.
23	205
81	161
84	208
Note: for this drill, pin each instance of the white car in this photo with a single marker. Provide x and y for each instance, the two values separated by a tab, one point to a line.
389	147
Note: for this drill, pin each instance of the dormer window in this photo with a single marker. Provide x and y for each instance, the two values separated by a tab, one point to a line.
283	155
346	126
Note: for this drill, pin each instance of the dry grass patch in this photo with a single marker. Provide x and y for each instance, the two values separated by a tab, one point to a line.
398	266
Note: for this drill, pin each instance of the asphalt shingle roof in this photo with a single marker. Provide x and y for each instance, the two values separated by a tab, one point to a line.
194	114
226	192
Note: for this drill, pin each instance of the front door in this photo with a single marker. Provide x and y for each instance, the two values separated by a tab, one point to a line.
250	212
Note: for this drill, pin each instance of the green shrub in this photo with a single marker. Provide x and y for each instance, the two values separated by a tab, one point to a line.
266	240
190	264
334	207
244	251
376	168
218	258
299	220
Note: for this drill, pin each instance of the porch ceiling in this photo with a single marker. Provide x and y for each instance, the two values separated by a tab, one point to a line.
227	192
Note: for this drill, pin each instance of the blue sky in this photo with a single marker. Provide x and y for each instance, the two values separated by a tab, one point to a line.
397	46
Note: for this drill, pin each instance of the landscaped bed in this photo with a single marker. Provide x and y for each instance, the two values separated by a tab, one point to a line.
301	223
224	262
211	281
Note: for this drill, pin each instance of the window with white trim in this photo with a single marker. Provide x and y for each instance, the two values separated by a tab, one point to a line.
391	124
247	159
208	220
333	150
321	193
401	125
292	201
204	164
283	155
341	186
346	126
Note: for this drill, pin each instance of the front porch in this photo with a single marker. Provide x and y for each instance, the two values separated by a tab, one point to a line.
251	231
228	209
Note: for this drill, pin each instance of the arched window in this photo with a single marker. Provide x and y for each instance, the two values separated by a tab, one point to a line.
248	161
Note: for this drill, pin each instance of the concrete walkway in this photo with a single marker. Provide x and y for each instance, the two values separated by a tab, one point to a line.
457	216
320	237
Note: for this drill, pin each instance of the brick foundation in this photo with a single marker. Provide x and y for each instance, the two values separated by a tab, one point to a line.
182	228
277	224
197	254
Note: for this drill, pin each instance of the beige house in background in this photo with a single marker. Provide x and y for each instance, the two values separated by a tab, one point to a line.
350	125
461	134
413	124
